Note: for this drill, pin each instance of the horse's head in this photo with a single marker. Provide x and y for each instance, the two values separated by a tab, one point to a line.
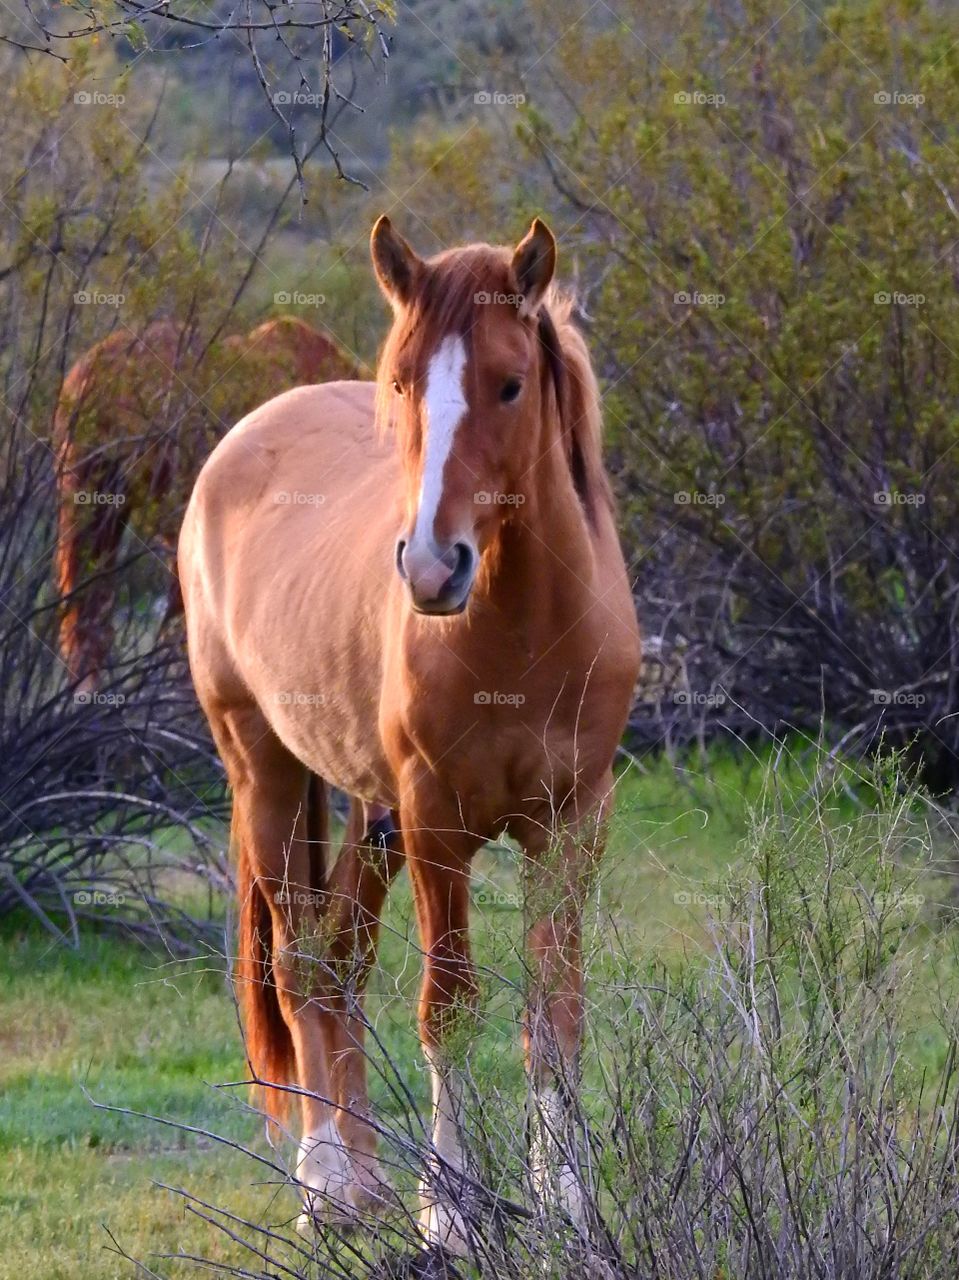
463	377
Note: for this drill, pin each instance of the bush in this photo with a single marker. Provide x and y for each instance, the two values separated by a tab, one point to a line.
761	207
108	795
781	1102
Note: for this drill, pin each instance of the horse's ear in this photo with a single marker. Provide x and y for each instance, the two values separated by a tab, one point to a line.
533	265
394	262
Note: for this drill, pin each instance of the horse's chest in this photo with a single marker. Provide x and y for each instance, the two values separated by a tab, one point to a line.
502	753
505	724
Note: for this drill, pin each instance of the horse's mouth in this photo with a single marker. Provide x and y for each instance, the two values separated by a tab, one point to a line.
441	608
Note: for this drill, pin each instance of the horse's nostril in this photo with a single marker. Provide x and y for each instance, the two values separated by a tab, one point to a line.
463	566
434	575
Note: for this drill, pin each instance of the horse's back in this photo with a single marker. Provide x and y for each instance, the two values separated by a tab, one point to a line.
113	389
313	435
285	563
289	349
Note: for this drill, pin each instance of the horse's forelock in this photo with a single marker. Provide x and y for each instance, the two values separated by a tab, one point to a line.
448	293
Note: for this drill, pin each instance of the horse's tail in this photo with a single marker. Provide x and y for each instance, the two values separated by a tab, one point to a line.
269	1044
66	559
88	535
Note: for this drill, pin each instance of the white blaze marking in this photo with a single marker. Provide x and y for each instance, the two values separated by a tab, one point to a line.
444	407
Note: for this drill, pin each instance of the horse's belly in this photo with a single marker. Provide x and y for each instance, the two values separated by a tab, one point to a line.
311	646
336	744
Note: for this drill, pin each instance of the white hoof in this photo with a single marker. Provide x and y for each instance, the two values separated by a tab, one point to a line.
557	1184
443	1224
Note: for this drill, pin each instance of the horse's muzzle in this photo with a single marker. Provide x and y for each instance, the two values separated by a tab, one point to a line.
439	581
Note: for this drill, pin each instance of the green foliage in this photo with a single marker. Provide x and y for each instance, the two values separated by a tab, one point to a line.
785	431
761	210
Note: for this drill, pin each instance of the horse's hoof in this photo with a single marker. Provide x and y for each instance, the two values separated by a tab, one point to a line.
315	1218
352	1207
434	1264
427	1264
445	1226
339	1187
376	1201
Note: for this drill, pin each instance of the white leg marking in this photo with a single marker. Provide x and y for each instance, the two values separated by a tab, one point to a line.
444	406
324	1166
441	1220
552	1175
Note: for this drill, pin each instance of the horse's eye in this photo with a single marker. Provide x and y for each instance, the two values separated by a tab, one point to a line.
511	389
397	386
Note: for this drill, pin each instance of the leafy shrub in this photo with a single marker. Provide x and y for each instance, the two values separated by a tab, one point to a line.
781	1102
761	207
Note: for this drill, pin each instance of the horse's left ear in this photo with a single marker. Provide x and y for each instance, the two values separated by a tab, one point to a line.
394	261
533	265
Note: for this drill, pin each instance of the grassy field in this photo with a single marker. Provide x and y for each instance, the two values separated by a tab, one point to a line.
120	1024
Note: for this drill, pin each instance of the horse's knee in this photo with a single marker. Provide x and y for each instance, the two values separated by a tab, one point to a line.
447	998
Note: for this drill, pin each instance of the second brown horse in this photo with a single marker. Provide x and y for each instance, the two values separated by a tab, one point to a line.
136	417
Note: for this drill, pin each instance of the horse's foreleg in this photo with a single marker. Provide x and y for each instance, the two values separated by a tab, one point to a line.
558	877
370	857
439	863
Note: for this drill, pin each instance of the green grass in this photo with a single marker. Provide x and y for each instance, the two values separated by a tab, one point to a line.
126	1026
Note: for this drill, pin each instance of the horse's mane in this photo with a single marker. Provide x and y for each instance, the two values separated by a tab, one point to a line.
578	398
446	303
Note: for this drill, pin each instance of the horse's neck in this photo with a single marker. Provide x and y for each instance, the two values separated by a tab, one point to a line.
543	567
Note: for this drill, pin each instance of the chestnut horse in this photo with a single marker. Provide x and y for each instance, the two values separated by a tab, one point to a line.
136	417
435	618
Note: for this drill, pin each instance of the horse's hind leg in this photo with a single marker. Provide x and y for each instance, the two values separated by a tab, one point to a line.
91	520
370	856
282	962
